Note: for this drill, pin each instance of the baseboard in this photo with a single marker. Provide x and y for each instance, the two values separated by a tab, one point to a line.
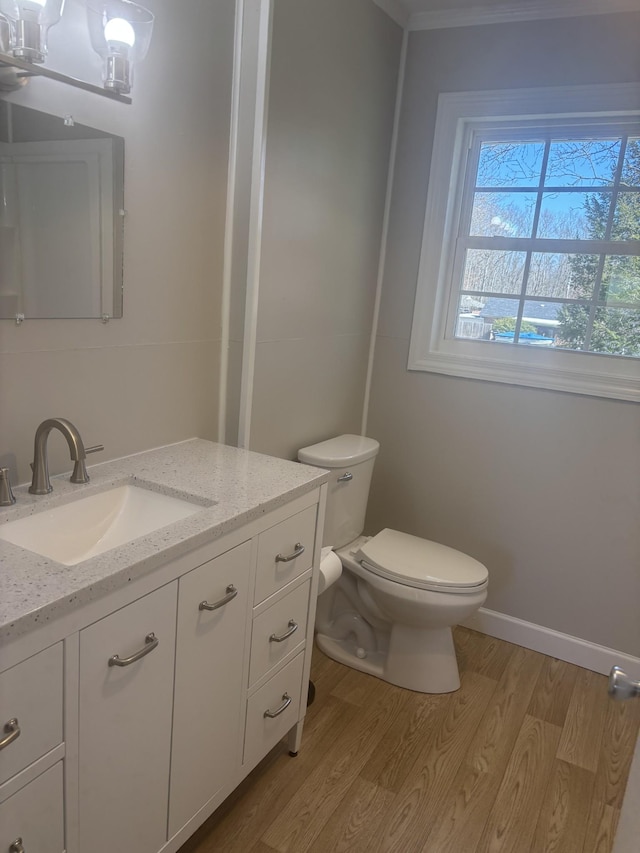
552	643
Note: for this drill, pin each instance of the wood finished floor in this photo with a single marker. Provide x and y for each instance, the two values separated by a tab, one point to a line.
529	756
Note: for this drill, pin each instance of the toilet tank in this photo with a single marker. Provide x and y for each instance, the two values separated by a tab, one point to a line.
350	458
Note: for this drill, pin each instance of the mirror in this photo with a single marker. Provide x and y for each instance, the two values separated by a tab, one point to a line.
61	217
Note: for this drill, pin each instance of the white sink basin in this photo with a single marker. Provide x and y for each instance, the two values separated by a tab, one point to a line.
89	526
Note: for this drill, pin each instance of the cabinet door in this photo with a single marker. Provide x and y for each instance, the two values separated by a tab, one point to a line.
208	697
33	817
125	725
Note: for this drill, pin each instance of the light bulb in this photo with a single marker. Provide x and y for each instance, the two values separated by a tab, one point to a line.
30	22
119	31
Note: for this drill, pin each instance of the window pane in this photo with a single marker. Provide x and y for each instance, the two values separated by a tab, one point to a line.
510	164
621	280
573	321
469	323
631	167
574	215
626	219
493	271
582	163
562	276
499	316
502	214
539	323
616	331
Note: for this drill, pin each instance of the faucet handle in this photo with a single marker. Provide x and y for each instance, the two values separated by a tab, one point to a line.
7	497
80	474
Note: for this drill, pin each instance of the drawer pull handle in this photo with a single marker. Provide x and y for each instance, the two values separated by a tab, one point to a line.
345	477
293	627
17	846
298	549
231	592
287	701
150	643
12	731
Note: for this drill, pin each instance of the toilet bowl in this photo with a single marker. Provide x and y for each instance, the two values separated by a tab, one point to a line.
392	610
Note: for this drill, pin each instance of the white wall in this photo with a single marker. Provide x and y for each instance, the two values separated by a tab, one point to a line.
543	487
334	67
151	377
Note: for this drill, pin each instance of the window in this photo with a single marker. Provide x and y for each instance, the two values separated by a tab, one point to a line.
530	264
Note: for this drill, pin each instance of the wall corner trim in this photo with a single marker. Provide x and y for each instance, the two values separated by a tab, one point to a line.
549	642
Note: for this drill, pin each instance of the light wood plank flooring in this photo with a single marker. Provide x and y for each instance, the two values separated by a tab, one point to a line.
529	756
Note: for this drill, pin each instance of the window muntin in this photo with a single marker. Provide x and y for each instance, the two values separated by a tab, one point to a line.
555	215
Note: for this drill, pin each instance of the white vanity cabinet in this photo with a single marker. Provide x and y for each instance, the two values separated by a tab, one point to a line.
141	710
125	709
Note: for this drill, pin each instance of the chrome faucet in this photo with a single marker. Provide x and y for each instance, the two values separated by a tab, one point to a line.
40	483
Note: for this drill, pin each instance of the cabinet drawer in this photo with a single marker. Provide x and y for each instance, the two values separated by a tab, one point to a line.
36	815
30	693
264	732
277	546
287	616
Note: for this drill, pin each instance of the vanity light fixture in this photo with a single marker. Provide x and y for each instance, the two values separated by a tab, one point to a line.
120	33
25	24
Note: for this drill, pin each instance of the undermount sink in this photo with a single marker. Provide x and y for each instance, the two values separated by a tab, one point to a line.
92	525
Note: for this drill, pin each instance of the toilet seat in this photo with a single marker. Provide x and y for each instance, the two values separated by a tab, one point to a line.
420	563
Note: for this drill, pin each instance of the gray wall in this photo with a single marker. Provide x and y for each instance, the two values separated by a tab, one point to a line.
151	377
543	487
333	79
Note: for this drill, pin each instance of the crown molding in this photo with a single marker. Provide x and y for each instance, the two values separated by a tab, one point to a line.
514	11
394	10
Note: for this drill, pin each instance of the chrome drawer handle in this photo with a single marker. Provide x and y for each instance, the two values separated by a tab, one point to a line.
231	593
12	731
287	701
293	627
150	643
298	549
345	477
17	846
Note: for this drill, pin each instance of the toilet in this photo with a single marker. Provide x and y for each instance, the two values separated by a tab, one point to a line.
391	611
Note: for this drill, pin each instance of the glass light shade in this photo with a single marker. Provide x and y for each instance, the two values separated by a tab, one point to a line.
120	33
29	22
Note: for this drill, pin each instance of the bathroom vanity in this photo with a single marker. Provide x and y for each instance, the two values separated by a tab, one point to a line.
139	686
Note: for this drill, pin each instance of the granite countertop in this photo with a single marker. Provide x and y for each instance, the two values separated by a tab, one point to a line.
233	486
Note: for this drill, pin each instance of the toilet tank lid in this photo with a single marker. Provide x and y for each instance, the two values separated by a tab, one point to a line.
339	452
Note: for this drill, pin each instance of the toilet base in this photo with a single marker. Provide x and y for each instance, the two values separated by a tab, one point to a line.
421	660
344	651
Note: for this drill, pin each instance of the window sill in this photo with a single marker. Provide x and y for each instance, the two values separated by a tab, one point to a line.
554	378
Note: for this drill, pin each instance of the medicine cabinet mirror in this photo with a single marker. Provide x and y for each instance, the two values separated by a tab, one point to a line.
61	217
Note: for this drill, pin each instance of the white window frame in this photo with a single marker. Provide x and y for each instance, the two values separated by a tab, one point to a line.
433	348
